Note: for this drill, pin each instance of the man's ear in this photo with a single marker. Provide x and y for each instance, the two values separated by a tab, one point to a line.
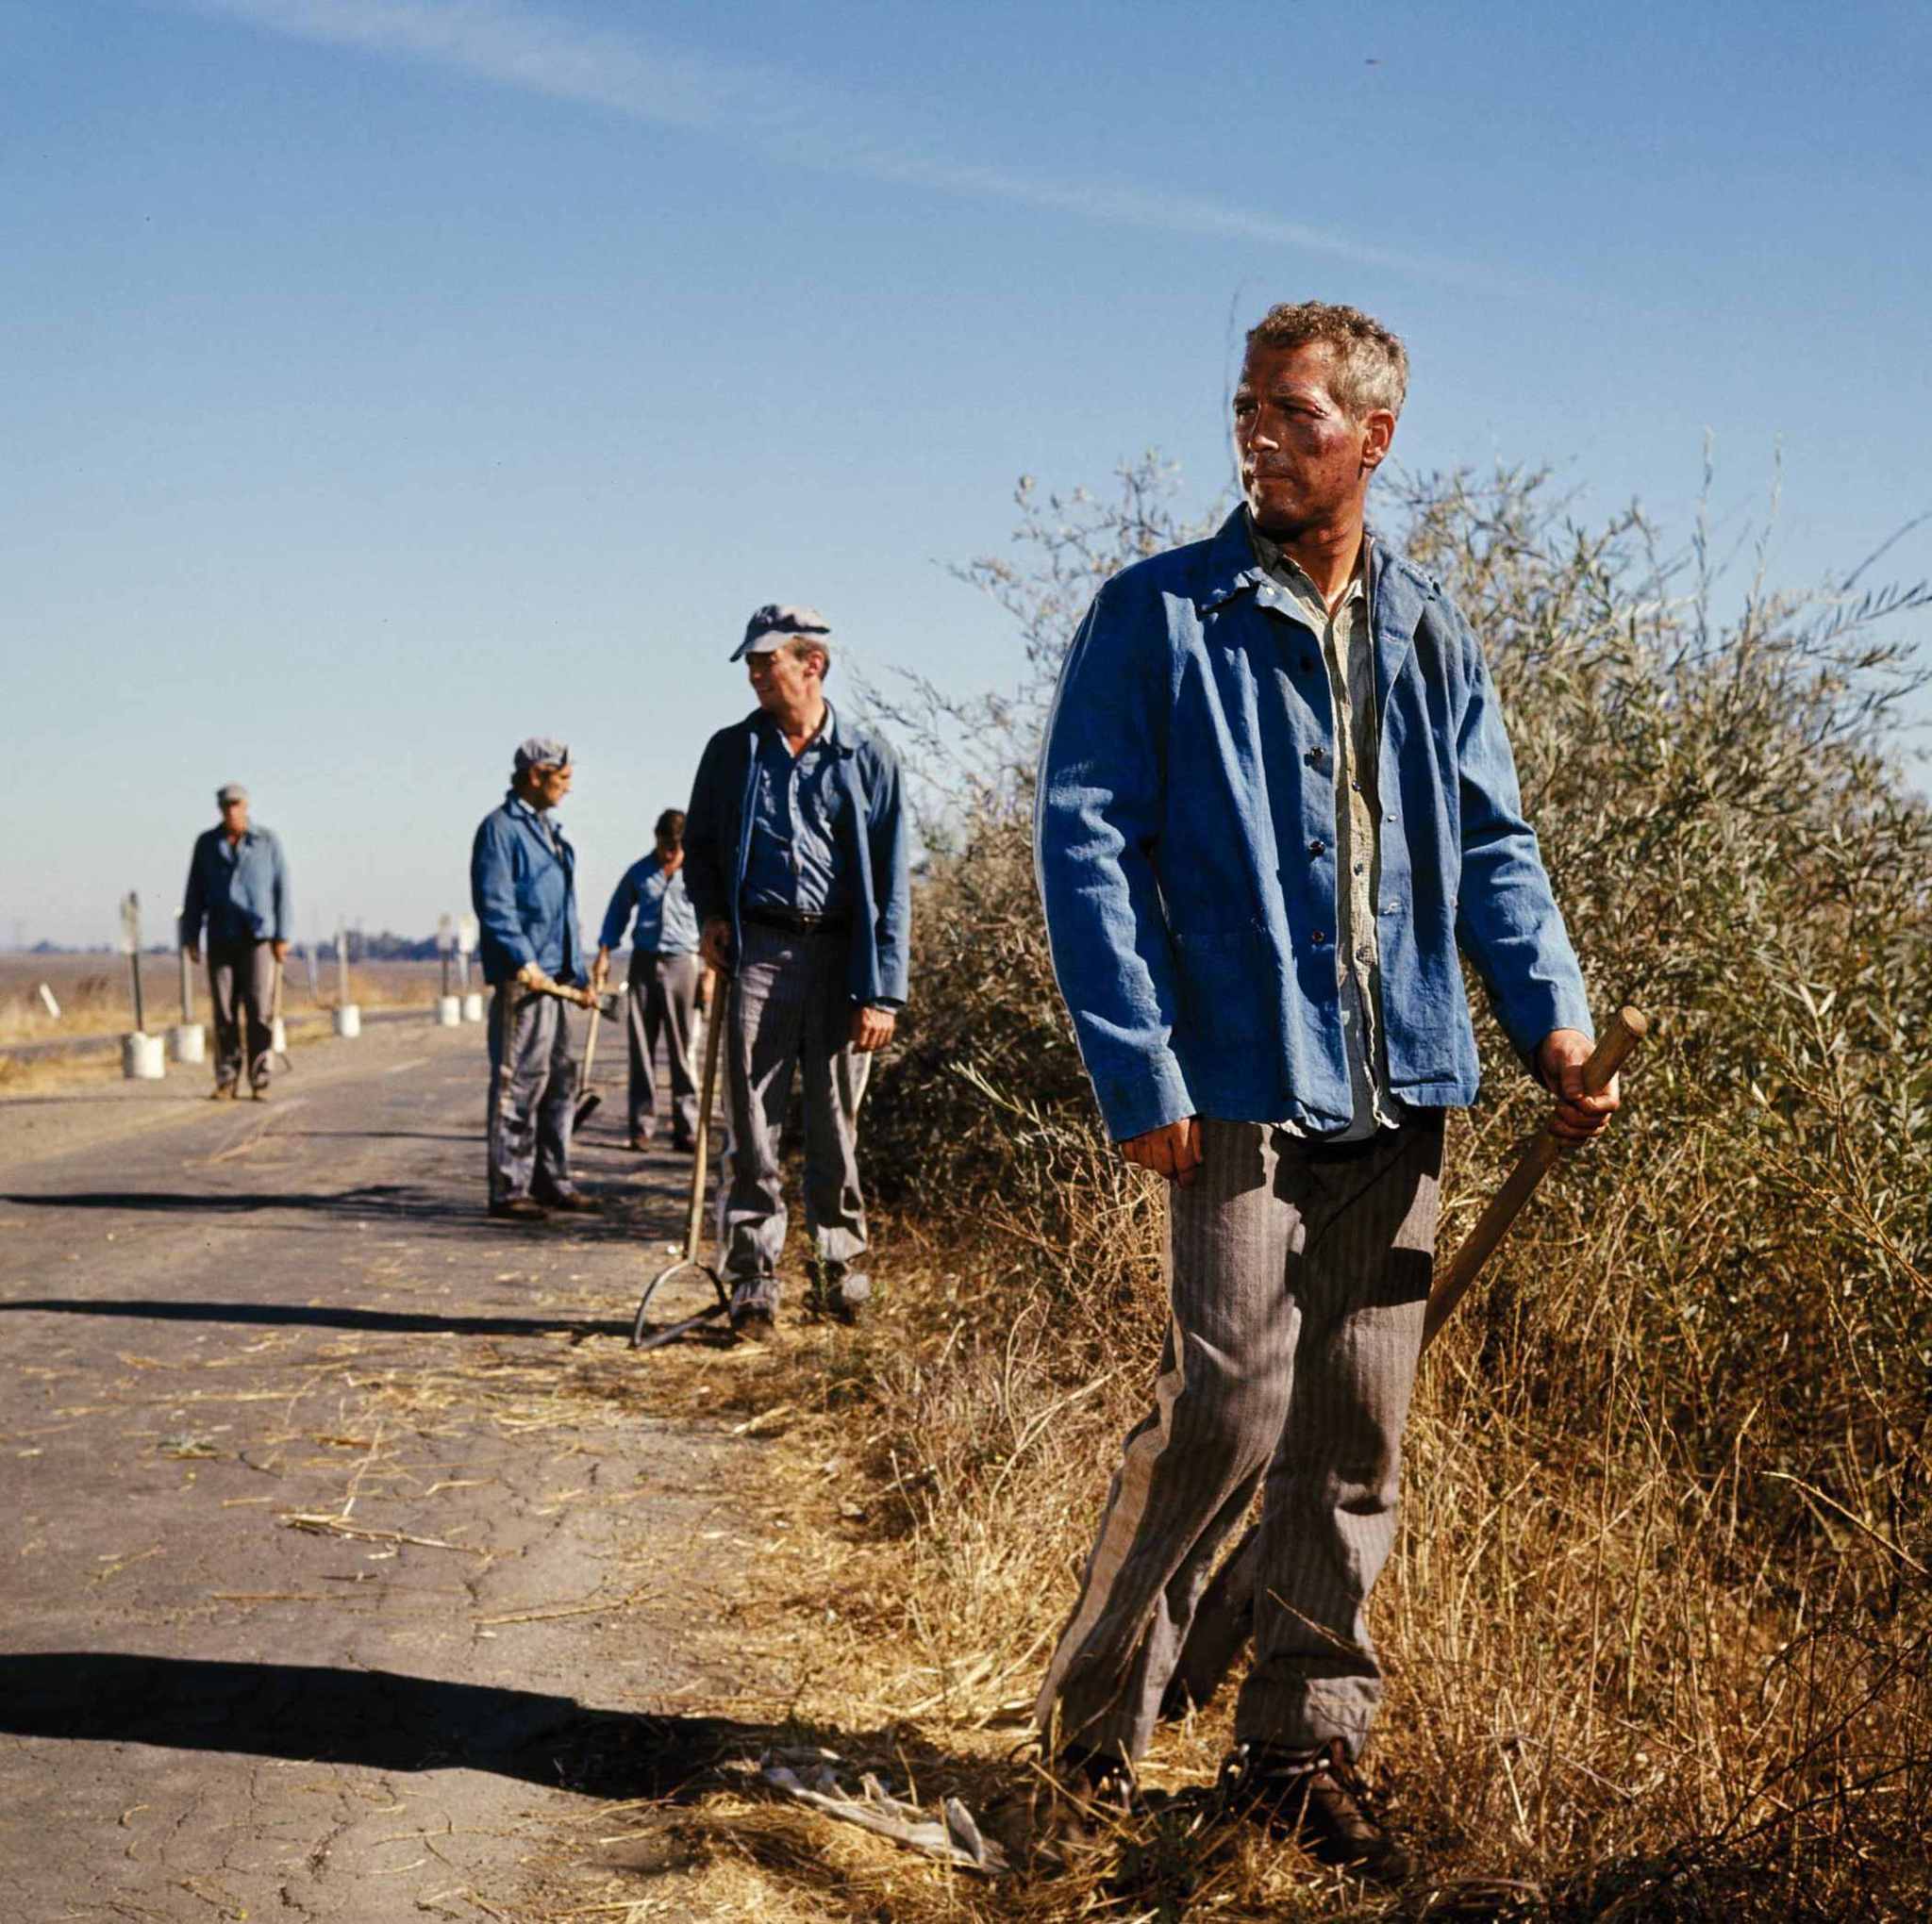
1378	430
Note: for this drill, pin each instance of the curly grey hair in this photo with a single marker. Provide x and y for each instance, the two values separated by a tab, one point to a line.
1370	363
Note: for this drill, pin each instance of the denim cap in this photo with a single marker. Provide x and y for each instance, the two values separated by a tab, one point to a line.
230	791
542	751
778	622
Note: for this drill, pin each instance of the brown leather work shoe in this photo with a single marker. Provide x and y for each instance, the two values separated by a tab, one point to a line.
572	1203
519	1209
1319	1803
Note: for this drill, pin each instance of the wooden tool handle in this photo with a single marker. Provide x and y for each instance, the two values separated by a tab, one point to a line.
1625	1032
715	1034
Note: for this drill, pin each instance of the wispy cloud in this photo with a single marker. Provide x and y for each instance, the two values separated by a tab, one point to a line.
757	107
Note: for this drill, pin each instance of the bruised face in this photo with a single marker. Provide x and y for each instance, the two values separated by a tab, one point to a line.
1304	460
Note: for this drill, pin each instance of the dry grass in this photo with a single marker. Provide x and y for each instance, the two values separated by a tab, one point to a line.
96	999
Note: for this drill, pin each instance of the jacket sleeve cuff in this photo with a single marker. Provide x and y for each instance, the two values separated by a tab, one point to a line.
1132	1105
1531	1016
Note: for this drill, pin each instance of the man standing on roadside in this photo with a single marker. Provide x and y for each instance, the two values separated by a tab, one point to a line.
667	985
1276	797
237	884
522	887
796	862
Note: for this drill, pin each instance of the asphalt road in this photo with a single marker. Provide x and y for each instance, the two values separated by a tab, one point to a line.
345	1551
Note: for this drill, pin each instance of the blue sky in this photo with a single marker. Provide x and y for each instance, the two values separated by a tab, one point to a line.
383	380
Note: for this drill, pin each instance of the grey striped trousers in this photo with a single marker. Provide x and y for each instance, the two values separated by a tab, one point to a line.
1297	1278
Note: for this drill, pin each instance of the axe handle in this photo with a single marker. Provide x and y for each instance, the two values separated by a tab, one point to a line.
1625	1032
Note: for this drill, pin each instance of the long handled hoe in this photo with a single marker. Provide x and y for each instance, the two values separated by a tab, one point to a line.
589	1101
694	1233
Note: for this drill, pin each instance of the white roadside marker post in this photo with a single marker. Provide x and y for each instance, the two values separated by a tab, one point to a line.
348	1016
449	1010
187	1039
468	929
142	1057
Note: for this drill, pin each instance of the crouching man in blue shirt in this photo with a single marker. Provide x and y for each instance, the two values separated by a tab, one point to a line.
522	887
795	860
1276	797
238	885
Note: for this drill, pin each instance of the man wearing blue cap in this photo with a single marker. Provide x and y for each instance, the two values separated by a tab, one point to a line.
237	884
796	862
522	886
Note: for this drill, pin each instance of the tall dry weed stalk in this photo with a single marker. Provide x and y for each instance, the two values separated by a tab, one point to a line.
1658	1622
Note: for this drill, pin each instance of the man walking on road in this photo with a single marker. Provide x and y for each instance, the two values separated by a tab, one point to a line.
667	985
522	887
237	884
796	862
1275	796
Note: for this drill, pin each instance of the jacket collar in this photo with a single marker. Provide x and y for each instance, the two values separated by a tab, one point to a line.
519	810
1398	591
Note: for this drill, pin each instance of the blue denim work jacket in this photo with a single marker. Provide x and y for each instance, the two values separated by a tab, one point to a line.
872	829
241	889
1185	837
525	894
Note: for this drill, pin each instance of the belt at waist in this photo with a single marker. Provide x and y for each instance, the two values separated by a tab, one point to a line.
797	922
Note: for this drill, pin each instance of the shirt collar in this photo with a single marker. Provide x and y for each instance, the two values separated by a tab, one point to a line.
827	736
1233	563
1299	582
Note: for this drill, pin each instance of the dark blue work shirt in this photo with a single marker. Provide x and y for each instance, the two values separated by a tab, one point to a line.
241	889
798	806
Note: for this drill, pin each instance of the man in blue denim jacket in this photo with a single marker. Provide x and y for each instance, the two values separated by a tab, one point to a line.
796	862
1276	800
522	887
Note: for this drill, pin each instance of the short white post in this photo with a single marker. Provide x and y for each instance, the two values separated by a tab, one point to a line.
473	1007
449	1012
188	1042
348	1016
142	1057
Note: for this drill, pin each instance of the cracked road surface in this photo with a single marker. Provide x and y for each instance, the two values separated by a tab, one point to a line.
343	1548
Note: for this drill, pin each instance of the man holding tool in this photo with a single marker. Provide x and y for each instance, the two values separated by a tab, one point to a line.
1276	797
796	858
522	887
668	987
237	884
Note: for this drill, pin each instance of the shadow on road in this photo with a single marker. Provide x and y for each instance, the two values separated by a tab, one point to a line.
397	1201
284	1315
385	1721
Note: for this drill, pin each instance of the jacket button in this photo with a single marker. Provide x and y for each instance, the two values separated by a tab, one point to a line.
1314	758
1318	847
1318	937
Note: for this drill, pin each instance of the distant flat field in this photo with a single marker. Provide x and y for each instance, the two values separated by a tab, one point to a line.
96	996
